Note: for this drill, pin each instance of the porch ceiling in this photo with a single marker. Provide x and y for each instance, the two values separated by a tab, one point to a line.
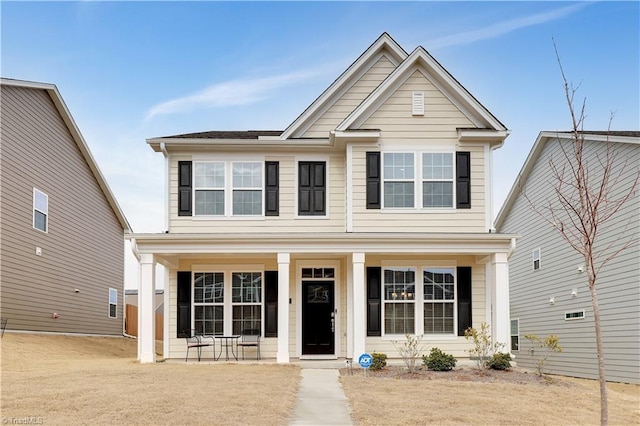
334	243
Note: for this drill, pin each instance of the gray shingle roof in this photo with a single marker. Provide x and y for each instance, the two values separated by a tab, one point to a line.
227	134
629	133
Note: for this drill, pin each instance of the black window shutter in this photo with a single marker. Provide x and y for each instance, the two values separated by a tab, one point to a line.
312	188
373	180
271	303
463	180
272	188
184	303
374	307
184	188
464	299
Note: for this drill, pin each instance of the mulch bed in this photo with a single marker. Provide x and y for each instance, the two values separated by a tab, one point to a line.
462	374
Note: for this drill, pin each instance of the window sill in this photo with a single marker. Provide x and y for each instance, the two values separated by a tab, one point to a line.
425	337
427	210
218	218
310	217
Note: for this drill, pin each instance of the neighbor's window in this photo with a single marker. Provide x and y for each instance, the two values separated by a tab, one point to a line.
208	302
398	175
246	291
209	188
40	210
437	179
515	334
247	189
439	300
113	303
574	315
399	300
536	259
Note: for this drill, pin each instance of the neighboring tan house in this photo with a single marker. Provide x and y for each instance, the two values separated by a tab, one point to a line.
62	230
368	218
549	290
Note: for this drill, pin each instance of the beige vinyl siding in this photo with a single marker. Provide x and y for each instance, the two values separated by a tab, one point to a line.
337	112
422	219
435	131
618	284
83	248
287	219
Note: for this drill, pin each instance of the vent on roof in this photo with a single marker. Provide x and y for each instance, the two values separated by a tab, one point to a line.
418	103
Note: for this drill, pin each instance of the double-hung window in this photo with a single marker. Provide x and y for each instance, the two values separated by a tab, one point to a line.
209	186
536	259
113	303
515	334
40	210
437	179
246	291
439	300
228	188
398	176
208	301
399	300
247	188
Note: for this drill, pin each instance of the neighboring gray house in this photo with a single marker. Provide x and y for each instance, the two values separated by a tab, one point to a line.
62	230
549	293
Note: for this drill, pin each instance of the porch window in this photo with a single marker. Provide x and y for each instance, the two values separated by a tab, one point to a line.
399	300
246	291
208	300
439	300
209	188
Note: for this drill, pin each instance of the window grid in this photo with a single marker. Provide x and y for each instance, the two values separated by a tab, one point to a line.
209	187
439	295
399	179
208	298
247	188
246	291
113	303
40	210
399	298
437	179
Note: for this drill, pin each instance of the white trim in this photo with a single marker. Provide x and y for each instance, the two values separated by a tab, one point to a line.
322	263
488	188
349	189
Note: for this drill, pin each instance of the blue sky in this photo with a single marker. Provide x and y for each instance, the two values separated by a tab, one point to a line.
129	71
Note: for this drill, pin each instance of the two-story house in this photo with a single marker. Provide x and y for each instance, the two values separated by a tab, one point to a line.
62	244
368	218
549	288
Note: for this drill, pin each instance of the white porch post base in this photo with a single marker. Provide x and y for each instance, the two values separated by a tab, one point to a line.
501	325
282	355
146	310
359	301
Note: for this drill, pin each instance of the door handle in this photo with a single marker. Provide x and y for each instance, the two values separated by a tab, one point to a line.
333	325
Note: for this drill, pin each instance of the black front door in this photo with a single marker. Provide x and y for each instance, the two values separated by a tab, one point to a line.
318	318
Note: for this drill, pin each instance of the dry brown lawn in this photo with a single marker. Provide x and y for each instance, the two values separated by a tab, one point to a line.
465	397
93	380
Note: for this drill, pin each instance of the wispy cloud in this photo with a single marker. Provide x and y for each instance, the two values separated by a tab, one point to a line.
229	93
505	27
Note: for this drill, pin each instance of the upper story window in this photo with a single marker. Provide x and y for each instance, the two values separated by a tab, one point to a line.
437	179
536	259
398	177
40	210
228	188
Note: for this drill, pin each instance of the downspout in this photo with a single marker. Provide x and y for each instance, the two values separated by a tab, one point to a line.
136	253
492	228
163	149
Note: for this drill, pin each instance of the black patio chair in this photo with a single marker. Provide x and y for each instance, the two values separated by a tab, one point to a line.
250	338
198	341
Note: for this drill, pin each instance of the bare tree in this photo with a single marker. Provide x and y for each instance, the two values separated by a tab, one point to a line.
582	202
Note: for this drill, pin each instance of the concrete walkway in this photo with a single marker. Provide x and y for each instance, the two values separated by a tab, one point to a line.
321	400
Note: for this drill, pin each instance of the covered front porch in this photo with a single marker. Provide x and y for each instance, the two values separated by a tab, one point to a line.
327	296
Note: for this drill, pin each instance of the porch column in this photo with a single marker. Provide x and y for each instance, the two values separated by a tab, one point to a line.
283	307
359	318
146	310
501	324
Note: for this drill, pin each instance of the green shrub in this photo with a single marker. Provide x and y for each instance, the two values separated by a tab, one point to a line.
439	361
500	361
379	361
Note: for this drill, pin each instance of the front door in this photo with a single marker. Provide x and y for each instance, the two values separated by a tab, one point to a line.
318	318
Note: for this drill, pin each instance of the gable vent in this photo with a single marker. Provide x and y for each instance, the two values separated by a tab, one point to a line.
418	103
